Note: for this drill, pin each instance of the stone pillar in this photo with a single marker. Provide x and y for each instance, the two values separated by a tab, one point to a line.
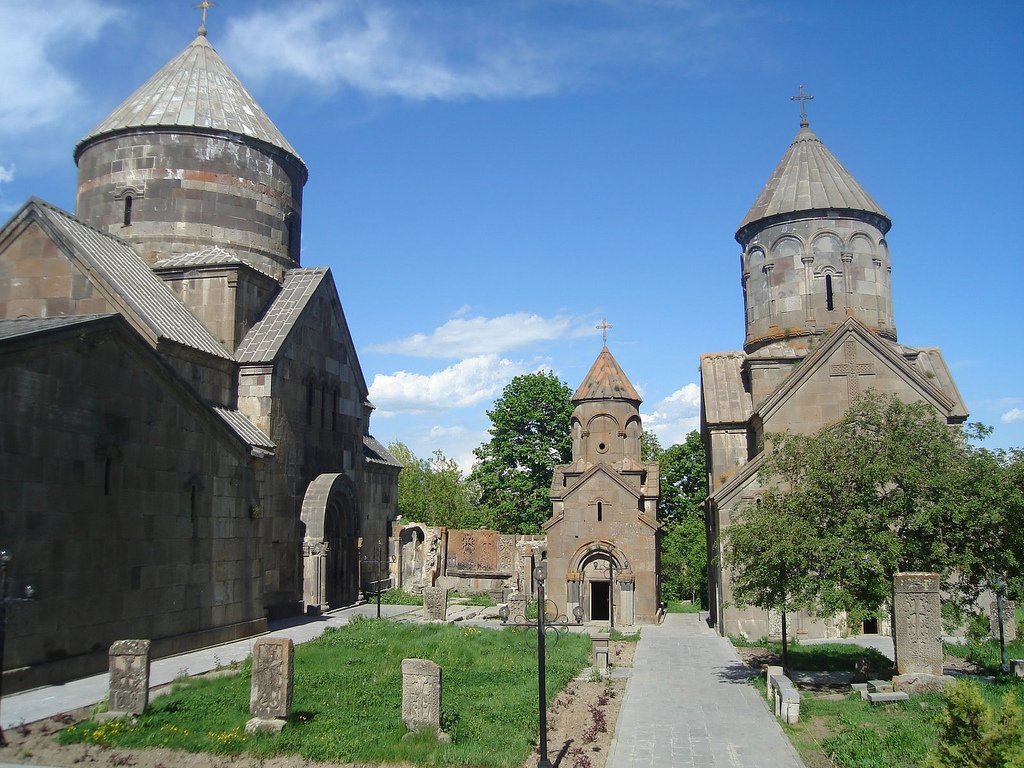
435	603
517	603
918	619
314	575
625	603
421	695
273	675
574	591
599	652
129	679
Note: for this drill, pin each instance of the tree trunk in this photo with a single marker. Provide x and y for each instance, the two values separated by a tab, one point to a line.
785	645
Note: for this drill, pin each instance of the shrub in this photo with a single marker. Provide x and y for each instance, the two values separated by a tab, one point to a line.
971	737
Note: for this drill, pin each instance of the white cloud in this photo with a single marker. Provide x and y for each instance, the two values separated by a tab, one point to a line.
34	90
386	48
462	336
675	416
6	174
463	384
437	432
1012	415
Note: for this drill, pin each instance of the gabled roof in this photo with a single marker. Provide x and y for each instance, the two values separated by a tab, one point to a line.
726	398
28	326
194	90
882	349
375	453
258	442
585	477
123	277
606	381
810	178
263	341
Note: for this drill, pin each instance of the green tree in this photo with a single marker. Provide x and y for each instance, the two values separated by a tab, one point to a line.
434	491
684	480
529	436
684	486
970	736
887	488
650	447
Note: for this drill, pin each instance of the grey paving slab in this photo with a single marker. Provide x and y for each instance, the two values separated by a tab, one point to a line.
688	705
29	706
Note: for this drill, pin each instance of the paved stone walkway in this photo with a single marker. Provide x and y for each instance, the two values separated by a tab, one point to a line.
688	704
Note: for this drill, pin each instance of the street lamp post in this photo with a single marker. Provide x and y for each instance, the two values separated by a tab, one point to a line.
611	593
557	624
5	560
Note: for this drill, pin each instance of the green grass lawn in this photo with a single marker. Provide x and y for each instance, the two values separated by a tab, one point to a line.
985	653
682	606
398	596
348	699
825	657
851	733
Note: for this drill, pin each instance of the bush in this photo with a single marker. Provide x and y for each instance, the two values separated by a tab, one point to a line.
970	735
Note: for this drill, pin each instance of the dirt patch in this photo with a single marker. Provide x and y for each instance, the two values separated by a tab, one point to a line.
580	725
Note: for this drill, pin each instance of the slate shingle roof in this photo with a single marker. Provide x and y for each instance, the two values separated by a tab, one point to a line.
263	341
26	326
246	430
211	256
726	400
606	381
375	453
130	279
195	89
810	178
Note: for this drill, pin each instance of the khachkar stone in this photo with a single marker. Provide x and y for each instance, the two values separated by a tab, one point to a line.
918	618
517	603
273	673
421	695
129	678
435	603
1009	620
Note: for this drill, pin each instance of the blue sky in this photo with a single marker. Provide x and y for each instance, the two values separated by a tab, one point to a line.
488	180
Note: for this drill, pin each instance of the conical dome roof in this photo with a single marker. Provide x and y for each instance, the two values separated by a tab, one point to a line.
195	89
606	381
810	178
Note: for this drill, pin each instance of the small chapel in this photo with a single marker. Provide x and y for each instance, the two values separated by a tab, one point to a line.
185	447
820	329
603	533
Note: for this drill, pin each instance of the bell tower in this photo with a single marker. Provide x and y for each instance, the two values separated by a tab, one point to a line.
814	250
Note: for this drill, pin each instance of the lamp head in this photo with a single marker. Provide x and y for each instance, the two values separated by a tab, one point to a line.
503	613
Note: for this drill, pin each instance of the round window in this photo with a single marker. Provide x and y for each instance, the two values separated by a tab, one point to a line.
601	447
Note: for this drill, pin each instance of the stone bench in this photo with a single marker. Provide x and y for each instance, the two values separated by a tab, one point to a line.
783	694
1017	667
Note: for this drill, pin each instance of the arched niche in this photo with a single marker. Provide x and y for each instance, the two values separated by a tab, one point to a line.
330	550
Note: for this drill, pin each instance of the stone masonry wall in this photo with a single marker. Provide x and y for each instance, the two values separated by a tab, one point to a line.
189	191
123	501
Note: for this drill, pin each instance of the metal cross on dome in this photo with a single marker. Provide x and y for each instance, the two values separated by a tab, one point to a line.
803	98
603	327
204	7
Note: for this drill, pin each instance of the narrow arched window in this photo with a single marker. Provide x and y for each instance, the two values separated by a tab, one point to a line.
829	299
309	404
128	210
600	511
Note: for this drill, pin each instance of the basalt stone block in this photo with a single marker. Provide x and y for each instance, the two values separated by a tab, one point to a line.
421	695
129	678
918	624
273	675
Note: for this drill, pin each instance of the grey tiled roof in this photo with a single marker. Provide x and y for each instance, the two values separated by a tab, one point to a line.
930	362
263	341
245	429
376	453
195	89
211	256
726	400
129	278
26	326
810	178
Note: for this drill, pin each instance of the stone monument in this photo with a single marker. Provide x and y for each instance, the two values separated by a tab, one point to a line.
517	603
1009	620
421	696
129	679
435	603
273	674
918	620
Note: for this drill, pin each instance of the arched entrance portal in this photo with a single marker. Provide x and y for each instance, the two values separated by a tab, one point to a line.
330	553
601	582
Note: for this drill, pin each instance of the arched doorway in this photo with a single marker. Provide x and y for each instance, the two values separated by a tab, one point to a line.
330	550
600	581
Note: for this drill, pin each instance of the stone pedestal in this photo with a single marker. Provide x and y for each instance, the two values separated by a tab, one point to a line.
435	603
421	695
129	679
918	624
273	675
599	652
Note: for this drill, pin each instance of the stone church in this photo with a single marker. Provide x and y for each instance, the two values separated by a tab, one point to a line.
185	447
820	329
603	534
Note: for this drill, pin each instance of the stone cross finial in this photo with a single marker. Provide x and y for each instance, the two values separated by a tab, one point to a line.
603	327
204	7
803	98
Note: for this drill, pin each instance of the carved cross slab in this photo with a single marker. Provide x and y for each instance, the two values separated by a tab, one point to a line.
851	369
